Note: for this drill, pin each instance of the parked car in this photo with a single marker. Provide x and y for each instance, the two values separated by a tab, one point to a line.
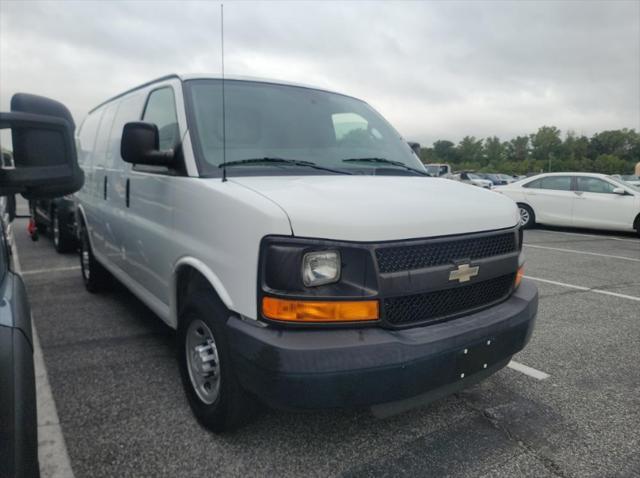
32	174
628	178
472	178
507	177
438	169
268	245
496	179
576	199
57	217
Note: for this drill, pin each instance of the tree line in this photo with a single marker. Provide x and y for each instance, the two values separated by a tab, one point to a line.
609	152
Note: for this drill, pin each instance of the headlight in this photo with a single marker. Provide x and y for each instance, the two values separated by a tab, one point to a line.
319	268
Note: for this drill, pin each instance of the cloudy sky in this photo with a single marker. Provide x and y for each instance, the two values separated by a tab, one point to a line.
435	69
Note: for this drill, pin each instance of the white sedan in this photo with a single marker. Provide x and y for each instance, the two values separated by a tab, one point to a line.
576	200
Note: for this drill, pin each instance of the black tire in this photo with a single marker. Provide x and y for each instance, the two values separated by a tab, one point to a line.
527	216
231	406
95	277
62	240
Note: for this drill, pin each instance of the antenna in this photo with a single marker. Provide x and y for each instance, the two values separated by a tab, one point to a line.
224	117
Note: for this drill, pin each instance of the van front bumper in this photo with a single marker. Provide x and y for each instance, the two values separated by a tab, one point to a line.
357	367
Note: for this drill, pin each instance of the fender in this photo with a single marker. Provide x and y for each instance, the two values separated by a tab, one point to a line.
208	274
81	214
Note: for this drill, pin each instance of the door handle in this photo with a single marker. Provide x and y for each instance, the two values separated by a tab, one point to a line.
104	188
127	188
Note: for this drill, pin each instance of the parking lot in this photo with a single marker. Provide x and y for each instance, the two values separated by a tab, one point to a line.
574	410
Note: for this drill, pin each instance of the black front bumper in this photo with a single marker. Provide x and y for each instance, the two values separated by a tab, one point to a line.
306	369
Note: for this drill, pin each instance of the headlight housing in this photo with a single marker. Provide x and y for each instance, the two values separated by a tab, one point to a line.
315	281
320	268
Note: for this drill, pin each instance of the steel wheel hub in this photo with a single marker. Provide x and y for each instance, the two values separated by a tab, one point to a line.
84	258
56	230
203	361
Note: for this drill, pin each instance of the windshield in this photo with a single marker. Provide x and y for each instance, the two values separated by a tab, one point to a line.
630	177
625	184
473	176
266	120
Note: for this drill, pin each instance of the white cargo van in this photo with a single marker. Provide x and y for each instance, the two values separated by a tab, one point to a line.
295	243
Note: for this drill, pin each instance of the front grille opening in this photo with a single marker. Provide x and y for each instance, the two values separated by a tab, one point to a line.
430	254
435	306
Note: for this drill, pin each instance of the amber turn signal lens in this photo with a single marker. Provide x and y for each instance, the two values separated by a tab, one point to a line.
519	276
319	311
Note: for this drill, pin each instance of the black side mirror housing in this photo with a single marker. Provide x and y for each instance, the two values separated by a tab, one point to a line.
140	145
44	158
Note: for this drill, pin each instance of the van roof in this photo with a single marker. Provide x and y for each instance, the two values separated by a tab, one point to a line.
205	76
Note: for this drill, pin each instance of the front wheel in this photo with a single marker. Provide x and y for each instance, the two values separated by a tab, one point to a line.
527	217
208	376
95	277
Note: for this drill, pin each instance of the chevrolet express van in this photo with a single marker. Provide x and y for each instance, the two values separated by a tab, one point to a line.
297	245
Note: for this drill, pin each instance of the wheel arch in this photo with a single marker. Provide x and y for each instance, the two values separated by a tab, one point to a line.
636	223
185	270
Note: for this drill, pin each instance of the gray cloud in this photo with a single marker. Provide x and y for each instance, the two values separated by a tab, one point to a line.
435	70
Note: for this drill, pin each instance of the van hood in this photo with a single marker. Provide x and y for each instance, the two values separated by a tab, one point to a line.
383	208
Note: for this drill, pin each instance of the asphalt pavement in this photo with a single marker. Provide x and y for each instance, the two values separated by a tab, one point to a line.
114	378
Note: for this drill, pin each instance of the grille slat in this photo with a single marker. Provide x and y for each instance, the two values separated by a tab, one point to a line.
434	306
430	254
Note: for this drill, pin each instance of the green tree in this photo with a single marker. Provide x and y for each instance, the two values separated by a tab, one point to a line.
623	143
575	147
470	150
546	143
445	151
610	164
494	150
518	149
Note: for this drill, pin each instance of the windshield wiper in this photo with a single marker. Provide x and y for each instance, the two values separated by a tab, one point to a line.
295	162
386	161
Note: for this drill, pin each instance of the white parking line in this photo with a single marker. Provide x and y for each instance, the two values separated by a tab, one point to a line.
583	252
607	238
525	369
53	269
586	289
52	449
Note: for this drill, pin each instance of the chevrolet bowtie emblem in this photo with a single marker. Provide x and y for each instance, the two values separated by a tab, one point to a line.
464	273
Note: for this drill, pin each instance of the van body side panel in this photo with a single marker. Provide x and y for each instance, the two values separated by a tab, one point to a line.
148	235
221	224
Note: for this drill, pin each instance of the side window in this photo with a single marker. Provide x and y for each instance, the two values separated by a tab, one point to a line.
87	136
557	183
533	184
594	185
129	110
104	132
161	110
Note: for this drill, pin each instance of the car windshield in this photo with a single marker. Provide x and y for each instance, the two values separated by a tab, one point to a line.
297	124
622	182
630	177
473	176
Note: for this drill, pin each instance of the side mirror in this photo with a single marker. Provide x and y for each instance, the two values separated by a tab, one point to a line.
620	191
140	145
44	162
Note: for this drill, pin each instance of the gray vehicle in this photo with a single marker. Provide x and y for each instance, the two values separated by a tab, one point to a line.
43	165
57	218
